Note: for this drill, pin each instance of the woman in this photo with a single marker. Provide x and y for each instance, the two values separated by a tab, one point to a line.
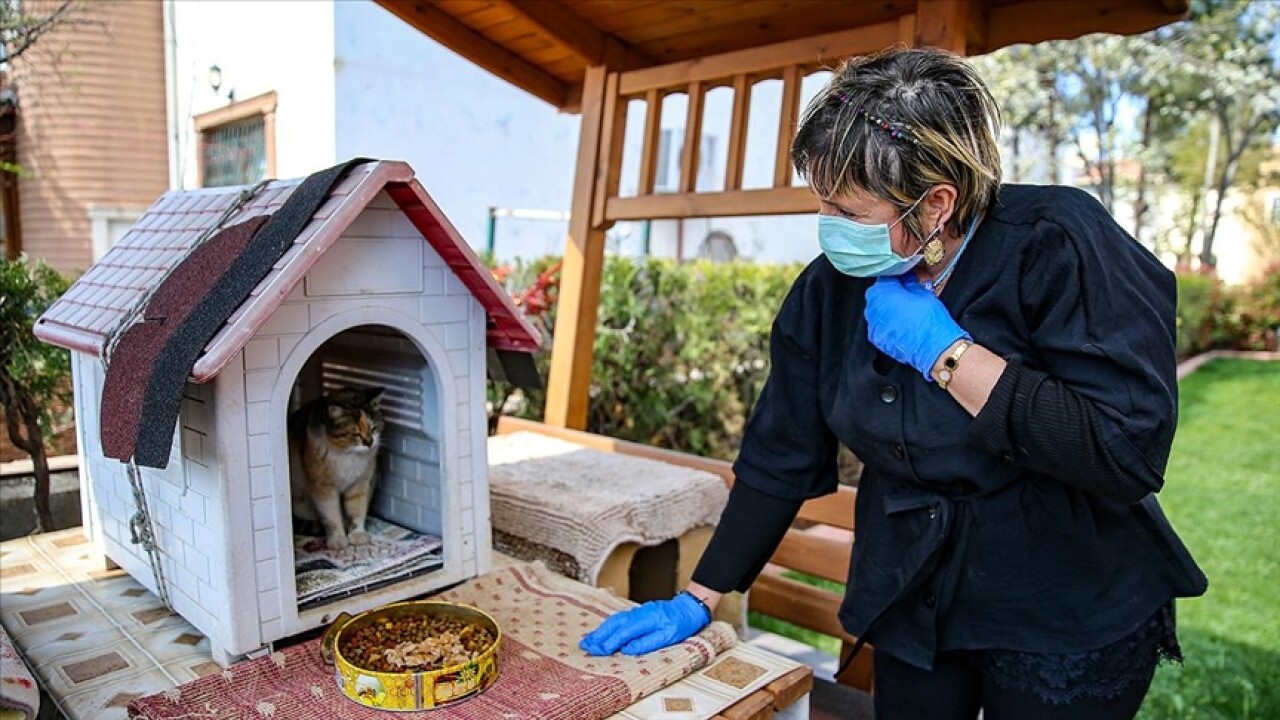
1001	358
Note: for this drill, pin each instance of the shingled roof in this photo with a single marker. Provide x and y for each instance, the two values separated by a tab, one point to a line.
85	317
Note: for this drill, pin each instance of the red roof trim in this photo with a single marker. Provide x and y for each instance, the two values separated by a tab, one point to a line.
508	329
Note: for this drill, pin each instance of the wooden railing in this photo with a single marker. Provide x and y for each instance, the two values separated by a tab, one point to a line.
819	544
788	62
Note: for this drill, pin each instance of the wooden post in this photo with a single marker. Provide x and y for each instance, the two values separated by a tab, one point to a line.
575	331
943	24
791	79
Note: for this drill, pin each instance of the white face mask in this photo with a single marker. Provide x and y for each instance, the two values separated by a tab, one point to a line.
864	250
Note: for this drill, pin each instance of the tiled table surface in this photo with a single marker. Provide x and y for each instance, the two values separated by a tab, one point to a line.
98	639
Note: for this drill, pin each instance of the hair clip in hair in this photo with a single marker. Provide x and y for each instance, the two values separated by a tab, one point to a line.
897	131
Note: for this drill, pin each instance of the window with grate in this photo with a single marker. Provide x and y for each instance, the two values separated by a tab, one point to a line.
234	154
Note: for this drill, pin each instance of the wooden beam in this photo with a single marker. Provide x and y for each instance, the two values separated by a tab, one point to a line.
692	140
796	602
578	36
861	672
736	203
836	509
736	152
458	37
573	343
814	554
649	143
808	53
613	133
943	24
1039	20
789	108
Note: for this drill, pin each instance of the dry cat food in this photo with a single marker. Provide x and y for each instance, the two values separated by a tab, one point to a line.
415	644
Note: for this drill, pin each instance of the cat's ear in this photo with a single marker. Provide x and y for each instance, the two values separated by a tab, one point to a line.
372	394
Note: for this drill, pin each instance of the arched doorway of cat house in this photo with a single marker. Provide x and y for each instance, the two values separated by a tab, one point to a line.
364	434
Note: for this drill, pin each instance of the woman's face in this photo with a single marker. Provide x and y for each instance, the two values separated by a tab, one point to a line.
861	207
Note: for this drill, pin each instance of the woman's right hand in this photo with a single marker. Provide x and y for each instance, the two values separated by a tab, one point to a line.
651	626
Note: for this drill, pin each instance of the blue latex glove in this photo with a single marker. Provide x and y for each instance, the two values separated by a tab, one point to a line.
907	322
652	626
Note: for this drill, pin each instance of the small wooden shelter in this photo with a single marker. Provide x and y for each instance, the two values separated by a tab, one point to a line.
594	57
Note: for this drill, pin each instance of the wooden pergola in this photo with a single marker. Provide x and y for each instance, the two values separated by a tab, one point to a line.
593	57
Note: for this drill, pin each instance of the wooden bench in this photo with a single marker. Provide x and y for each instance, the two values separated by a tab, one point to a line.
819	544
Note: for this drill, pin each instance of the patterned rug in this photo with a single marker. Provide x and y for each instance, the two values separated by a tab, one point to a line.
570	506
542	673
394	554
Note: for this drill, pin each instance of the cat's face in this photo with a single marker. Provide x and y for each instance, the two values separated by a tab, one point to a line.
353	420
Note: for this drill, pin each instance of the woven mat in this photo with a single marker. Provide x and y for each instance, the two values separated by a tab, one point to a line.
393	554
542	673
549	493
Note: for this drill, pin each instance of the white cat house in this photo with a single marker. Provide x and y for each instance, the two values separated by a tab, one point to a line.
377	289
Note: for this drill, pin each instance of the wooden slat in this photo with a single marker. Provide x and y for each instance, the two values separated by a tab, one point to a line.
692	139
861	672
796	602
443	28
649	143
814	554
613	134
738	203
1035	21
507	425
943	24
907	29
806	52
756	706
565	27
736	152
789	109
576	35
835	509
575	330
789	688
803	22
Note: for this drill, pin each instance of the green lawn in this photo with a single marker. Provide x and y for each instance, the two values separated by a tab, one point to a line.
1222	494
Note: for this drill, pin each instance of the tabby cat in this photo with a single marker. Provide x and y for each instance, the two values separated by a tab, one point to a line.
333	452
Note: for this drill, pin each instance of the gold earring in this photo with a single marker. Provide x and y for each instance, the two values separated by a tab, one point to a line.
933	248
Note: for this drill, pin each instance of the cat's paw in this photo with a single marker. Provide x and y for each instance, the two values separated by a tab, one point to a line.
359	537
337	543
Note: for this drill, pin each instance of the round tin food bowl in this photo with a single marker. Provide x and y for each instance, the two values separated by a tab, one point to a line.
412	690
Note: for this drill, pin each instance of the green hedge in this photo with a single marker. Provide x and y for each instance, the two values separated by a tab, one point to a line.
681	350
1212	315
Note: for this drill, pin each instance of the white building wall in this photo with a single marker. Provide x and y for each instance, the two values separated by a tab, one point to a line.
474	141
285	46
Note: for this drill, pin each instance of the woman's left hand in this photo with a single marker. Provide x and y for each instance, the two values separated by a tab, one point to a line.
907	322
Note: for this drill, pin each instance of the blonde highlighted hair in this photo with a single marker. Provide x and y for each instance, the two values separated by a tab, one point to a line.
897	123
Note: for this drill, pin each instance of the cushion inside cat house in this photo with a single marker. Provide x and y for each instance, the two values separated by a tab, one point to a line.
225	311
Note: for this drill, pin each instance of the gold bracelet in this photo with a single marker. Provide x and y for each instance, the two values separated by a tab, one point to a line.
951	363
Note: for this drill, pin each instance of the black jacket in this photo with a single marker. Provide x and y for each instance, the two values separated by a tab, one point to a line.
1032	526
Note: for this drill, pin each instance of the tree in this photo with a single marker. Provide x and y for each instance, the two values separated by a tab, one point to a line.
1231	51
35	378
20	30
